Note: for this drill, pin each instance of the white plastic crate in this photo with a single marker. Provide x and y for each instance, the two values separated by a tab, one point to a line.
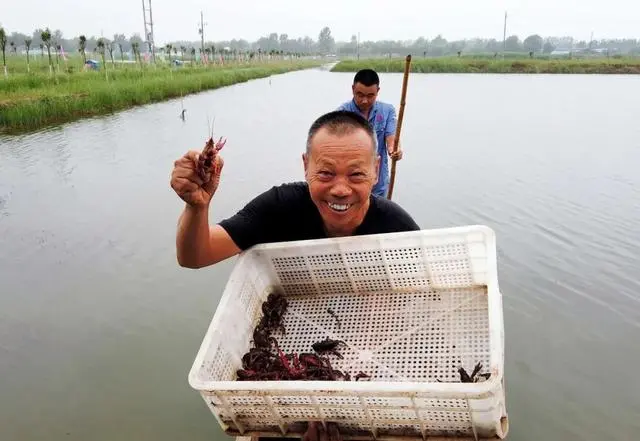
412	306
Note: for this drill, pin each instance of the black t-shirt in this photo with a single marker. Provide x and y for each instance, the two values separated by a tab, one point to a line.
286	212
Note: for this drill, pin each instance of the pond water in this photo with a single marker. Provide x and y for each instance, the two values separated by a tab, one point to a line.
99	325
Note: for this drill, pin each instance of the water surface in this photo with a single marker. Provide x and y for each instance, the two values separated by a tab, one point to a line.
99	325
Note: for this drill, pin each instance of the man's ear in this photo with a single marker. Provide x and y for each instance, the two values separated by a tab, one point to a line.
305	161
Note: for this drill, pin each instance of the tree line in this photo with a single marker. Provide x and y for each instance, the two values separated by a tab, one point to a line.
54	41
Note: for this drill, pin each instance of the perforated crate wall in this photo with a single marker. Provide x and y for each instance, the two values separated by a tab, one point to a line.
411	307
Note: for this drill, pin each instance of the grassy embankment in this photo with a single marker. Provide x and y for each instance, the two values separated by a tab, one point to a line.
35	99
489	65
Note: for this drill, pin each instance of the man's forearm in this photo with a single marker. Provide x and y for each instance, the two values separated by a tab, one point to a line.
193	240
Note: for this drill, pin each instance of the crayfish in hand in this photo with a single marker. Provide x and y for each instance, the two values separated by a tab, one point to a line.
207	158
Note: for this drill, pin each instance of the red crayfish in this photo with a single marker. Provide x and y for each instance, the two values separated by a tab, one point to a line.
207	158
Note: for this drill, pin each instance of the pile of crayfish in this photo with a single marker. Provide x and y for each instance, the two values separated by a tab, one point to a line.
266	361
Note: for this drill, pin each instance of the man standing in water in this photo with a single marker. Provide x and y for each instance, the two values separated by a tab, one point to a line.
382	116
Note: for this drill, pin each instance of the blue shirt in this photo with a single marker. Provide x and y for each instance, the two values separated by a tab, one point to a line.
382	118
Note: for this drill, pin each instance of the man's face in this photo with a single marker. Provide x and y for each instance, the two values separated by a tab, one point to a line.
341	171
365	96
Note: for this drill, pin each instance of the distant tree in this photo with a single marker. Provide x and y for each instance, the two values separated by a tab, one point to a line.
110	45
548	47
533	43
82	46
326	42
100	49
493	45
13	47
135	48
512	44
27	43
135	38
120	40
58	49
3	45
46	40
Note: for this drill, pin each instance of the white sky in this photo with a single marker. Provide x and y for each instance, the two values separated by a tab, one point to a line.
374	19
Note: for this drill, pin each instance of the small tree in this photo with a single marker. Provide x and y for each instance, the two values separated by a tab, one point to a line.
27	43
46	40
82	46
101	48
110	47
3	46
58	50
135	46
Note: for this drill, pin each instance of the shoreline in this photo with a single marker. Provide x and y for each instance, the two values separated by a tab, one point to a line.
627	66
30	102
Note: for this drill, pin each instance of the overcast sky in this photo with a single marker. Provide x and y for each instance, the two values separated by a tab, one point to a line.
374	19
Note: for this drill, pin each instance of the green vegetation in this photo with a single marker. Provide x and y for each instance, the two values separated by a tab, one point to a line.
496	65
47	95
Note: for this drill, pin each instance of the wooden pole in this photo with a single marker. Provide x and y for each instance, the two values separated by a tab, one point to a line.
407	66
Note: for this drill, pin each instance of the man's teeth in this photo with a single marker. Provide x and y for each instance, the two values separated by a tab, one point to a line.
339	207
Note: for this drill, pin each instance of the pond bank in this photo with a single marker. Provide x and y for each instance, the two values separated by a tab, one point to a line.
33	101
491	65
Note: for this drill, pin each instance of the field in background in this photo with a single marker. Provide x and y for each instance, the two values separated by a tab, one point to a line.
469	64
67	91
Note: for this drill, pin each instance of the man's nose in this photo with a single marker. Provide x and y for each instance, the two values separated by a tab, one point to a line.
340	190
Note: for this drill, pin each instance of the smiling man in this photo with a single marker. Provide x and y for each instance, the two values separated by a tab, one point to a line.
341	167
382	116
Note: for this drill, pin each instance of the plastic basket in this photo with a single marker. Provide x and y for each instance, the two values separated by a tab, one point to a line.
412	306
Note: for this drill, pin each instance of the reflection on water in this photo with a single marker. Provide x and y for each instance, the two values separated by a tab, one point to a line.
99	326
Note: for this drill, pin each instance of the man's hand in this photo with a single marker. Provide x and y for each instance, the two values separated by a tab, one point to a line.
397	155
188	185
317	432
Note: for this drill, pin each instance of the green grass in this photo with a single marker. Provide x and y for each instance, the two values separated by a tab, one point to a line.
485	65
30	101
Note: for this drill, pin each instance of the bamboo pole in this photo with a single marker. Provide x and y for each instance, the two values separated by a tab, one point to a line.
407	66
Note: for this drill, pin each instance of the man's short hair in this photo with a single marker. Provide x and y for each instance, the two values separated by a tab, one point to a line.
367	77
341	122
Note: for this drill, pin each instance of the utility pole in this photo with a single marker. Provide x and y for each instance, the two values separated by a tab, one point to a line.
504	35
201	32
148	28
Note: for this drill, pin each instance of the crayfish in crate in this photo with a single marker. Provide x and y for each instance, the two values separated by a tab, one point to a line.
266	360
